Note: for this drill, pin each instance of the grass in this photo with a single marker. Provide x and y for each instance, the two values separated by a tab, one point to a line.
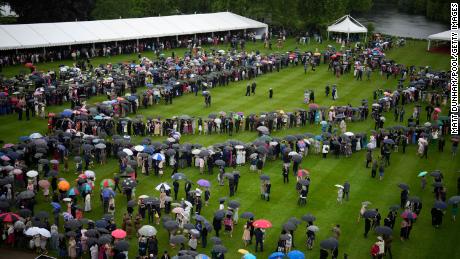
288	86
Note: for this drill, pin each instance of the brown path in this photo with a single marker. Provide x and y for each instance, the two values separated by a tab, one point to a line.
15	254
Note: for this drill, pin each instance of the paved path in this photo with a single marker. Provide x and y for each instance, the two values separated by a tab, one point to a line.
15	254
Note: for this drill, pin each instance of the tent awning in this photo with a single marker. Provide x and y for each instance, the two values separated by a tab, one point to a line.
445	35
347	24
22	36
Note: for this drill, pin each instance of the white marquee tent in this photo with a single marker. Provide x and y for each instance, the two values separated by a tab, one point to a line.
441	36
347	24
23	36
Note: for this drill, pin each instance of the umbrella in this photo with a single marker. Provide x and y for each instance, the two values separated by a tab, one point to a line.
90	174
119	233
295	254
102	223
73	191
437	184
128	183
105	239
440	205
454	199
179	176
45	184
383	230
264	177
9	217
147	231
423	173
25	213
216	240
220	214
177	239
33	231
284	237
394	207
203	183
220	162
389	141
435	173
163	186
170	225
370	214
158	157
72	224
403	186
19	225
302	172
330	243
289	226
277	255
408	215
415	199
32	173
308	218
304	182
262	223
262	129
366	203
178	210
313	228
233	204
63	185
247	215
107	183
122	245
129	152
24	195
219	249
339	186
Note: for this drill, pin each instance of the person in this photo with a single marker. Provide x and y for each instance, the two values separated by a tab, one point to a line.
176	189
165	255
368	157
336	232
72	248
346	190
268	186
327	90
339	195
374	250
367	226
381	244
388	239
361	211
325	150
404	229
253	88
248	90
323	253
228	224
259	233
310	239
403	198
285	174
270	93
246	234
423	182
193	243
374	168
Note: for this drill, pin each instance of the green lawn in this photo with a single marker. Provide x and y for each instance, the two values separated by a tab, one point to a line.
288	86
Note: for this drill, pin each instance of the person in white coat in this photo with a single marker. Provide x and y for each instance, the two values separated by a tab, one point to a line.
88	202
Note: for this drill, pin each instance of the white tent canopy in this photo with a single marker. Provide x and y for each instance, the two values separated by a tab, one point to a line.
347	24
441	36
23	36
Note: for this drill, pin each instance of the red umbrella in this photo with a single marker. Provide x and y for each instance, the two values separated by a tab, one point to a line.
9	217
262	223
302	173
408	215
119	233
29	65
313	106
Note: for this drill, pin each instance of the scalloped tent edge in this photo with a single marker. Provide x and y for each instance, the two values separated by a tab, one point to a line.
347	24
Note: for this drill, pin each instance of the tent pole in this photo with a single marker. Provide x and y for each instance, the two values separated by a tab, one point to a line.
327	35
348	36
429	44
44	51
365	38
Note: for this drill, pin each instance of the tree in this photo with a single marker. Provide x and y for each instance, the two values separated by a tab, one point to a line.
33	11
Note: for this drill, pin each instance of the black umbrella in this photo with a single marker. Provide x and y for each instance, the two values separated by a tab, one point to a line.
178	239
107	217
42	215
308	218
389	141
179	176
264	177
26	195
204	153
189	226
415	199
170	152
247	215
297	158
384	230
454	200
170	225
71	234
122	245
233	204
403	186
101	223
289	226
290	138
105	239
220	162
330	243
436	173
440	205
72	224
394	207
262	150
304	182
229	175
25	213
103	231
131	204
284	237
370	214
216	240
295	220
220	214
92	233
219	249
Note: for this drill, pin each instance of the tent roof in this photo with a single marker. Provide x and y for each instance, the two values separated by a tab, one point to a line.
23	36
347	24
445	35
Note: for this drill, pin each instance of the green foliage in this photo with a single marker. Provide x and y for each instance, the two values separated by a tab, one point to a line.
438	10
370	28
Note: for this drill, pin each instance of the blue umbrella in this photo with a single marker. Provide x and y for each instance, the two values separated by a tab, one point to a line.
107	193
276	255
23	138
102	223
132	97
296	254
148	150
249	256
158	157
98	117
67	113
61	147
56	205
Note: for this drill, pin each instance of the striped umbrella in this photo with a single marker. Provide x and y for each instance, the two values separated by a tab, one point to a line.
9	217
107	183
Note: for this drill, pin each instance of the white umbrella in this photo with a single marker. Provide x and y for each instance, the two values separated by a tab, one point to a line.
143	196
128	151
44	232
32	231
32	173
339	186
164	186
293	153
349	134
35	136
217	120
147	231
239	147
139	148
188	204
90	174
273	143
196	151
158	157
171	139
313	228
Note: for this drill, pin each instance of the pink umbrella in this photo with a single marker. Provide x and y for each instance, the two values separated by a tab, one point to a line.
17	171
437	109
408	215
119	233
45	184
8	145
